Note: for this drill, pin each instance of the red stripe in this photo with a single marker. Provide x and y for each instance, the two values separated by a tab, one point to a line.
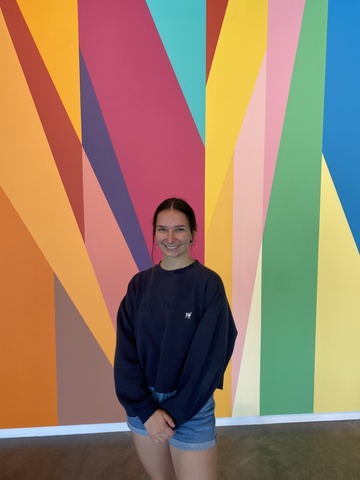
215	12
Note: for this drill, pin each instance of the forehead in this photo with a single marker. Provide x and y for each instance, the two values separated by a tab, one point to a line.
171	218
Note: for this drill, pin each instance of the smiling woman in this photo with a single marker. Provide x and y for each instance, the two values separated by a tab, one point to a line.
175	337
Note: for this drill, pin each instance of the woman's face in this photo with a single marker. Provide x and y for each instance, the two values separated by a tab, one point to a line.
173	235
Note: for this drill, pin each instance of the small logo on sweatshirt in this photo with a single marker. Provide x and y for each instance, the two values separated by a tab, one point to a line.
188	314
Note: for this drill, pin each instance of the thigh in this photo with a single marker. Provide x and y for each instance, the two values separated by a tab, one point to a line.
155	457
195	464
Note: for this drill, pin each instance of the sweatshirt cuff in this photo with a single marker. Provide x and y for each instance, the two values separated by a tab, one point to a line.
164	406
145	413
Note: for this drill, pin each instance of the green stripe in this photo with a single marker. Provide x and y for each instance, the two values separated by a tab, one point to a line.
290	243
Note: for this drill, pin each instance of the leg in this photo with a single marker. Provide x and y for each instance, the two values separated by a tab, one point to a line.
195	464
155	457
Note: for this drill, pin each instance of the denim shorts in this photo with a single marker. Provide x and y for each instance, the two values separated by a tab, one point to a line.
198	433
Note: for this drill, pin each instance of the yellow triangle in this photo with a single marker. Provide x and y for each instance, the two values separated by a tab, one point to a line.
337	354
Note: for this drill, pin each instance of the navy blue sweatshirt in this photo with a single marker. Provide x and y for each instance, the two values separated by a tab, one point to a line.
175	331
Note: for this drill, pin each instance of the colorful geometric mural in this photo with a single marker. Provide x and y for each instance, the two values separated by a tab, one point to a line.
109	107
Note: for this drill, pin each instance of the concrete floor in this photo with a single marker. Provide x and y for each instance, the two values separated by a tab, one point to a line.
314	451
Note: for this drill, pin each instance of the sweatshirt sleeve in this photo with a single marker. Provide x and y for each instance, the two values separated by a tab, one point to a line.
130	383
207	359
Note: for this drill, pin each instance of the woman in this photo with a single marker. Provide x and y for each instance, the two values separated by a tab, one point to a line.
175	337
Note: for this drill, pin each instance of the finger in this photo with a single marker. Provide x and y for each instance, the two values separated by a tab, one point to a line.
161	439
169	432
169	420
166	433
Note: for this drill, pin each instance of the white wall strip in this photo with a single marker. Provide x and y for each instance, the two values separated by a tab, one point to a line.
220	422
296	418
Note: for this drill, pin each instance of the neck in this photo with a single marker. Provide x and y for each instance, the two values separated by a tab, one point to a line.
175	263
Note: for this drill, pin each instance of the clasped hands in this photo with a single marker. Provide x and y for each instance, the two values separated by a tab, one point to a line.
160	426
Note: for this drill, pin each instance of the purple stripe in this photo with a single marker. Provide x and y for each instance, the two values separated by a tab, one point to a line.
101	154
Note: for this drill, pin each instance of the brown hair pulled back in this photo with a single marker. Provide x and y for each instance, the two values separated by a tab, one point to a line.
180	205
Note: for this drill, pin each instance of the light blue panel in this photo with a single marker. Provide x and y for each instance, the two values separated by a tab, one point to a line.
182	27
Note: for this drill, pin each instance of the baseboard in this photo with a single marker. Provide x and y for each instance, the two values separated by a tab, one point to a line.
220	422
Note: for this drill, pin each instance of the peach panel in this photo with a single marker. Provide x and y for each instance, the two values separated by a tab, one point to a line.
27	328
113	263
248	210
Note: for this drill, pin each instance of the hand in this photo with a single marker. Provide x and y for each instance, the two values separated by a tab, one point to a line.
160	426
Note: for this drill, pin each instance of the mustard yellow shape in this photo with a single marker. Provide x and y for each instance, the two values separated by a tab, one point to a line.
235	67
54	28
337	353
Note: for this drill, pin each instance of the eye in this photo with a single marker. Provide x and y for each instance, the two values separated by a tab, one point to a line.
180	229
161	229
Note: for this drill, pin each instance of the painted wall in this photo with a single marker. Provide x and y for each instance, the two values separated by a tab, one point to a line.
248	109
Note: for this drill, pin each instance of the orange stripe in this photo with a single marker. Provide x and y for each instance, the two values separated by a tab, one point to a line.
215	11
27	328
219	258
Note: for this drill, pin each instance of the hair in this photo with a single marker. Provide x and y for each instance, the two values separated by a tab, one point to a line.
180	205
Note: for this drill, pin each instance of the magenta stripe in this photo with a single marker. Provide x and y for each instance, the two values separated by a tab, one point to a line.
154	136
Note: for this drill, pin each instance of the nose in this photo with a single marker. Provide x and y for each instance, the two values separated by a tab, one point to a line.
170	237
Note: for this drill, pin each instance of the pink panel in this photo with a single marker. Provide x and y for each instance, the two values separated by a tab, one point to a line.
248	210
282	44
156	141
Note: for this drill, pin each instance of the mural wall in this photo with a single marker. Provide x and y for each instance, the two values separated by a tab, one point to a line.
250	110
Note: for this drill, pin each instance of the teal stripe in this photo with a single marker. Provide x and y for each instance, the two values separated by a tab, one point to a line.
182	27
290	243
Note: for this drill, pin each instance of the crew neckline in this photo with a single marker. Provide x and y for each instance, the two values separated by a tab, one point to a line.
178	271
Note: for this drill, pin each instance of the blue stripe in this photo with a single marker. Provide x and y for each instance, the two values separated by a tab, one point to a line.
341	140
181	25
